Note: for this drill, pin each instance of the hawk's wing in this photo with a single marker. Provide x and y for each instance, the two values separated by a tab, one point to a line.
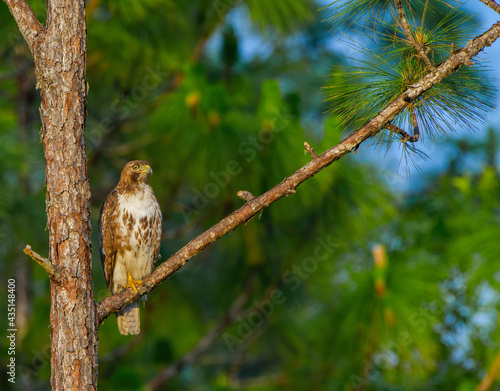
107	245
156	230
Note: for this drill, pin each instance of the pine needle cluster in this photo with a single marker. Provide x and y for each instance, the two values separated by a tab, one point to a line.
387	42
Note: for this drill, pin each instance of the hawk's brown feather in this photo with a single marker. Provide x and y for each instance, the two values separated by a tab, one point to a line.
106	237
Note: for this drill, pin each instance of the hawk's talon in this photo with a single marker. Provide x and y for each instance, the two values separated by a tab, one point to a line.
132	283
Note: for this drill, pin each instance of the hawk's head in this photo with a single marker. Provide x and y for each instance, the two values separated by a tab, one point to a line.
136	172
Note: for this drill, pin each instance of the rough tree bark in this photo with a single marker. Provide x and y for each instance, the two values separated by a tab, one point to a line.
59	53
60	61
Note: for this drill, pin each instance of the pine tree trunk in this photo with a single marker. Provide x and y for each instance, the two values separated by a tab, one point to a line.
59	53
60	61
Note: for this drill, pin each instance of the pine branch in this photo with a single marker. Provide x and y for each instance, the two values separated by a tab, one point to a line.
418	47
288	185
28	24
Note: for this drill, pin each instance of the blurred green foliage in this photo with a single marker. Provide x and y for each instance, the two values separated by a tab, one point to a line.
169	83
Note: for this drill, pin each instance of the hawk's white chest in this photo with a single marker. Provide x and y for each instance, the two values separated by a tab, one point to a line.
139	224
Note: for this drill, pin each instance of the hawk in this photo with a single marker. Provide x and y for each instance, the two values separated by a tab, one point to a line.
130	226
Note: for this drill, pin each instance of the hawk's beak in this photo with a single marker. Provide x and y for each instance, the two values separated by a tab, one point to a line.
147	169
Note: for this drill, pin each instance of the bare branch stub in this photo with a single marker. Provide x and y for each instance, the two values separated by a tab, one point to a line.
286	187
245	195
52	270
28	24
310	150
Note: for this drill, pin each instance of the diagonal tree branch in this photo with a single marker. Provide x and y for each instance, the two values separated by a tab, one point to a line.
288	185
28	24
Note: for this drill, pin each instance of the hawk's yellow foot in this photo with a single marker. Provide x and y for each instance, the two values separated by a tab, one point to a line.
132	283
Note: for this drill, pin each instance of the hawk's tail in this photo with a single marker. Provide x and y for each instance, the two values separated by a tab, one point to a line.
129	319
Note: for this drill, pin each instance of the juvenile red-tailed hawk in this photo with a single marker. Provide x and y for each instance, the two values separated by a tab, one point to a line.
129	237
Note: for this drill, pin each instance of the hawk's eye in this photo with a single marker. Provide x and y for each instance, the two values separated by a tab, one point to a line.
135	167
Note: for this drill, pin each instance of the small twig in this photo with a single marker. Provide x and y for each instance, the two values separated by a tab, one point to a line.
28	24
52	270
418	47
404	135
310	150
245	195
